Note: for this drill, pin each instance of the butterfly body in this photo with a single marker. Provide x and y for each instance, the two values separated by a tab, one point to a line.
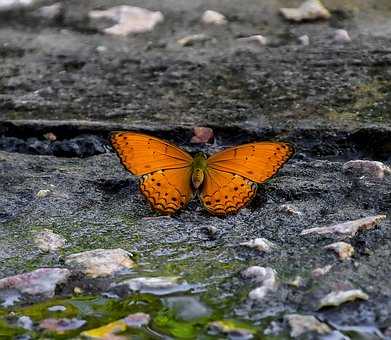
199	166
225	182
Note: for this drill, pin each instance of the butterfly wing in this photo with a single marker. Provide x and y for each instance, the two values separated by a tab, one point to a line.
232	174
165	169
167	190
226	193
256	161
142	154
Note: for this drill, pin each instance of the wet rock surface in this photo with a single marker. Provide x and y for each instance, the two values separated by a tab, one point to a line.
65	86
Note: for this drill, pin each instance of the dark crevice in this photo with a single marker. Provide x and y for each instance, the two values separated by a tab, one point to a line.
76	139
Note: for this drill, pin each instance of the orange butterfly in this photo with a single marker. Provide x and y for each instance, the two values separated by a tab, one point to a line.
226	181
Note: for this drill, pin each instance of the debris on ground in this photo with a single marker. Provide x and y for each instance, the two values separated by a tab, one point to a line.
338	298
309	10
129	19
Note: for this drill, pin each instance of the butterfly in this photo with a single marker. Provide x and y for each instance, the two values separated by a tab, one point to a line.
225	182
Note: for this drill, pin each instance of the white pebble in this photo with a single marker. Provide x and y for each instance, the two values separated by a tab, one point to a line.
342	36
213	17
43	193
257	39
191	39
128	19
308	10
260	244
304	40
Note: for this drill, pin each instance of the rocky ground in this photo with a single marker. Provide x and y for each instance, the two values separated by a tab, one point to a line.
65	85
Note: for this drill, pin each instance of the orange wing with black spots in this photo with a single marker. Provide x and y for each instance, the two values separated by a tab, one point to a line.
142	154
226	193
255	161
165	169
232	174
167	190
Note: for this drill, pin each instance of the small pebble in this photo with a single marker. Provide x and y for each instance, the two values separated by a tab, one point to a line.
297	282
191	39
61	326
344	250
342	36
338	298
257	39
266	276
211	230
301	324
186	307
213	17
57	309
101	49
25	322
364	168
17	5
48	241
49	12
100	262
308	10
319	272
304	40
154	285
260	244
128	19
289	209
78	290
137	319
230	329
43	193
50	136
42	282
273	329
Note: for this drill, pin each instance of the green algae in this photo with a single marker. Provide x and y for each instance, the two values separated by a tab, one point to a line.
99	311
369	102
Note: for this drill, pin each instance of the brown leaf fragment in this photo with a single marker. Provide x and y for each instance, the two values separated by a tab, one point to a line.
202	135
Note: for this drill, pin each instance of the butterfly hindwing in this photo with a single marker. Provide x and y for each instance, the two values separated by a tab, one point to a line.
167	190
256	161
142	154
225	193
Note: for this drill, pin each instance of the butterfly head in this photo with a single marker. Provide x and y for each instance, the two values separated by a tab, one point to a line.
199	166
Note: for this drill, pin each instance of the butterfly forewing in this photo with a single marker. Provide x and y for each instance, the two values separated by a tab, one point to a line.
256	161
142	154
165	169
225	193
